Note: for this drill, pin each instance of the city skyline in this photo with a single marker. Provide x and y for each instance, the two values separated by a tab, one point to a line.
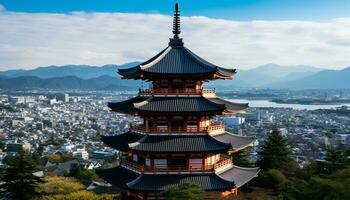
37	35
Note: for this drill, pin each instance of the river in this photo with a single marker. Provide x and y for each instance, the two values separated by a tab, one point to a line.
267	103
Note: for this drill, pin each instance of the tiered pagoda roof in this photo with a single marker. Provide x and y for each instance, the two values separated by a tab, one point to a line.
175	60
177	143
124	178
186	104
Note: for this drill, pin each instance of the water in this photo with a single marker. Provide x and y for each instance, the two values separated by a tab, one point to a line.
270	104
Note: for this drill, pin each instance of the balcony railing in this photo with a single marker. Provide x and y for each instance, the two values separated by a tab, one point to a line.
223	162
176	91
211	128
176	168
163	167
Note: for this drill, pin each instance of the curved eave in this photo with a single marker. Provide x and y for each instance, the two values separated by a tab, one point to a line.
225	74
161	182
239	175
127	106
121	141
231	107
179	144
179	105
117	176
236	142
165	143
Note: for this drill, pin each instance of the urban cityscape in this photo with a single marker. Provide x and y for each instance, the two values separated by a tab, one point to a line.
76	120
168	123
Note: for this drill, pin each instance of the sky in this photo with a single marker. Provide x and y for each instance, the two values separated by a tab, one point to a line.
231	33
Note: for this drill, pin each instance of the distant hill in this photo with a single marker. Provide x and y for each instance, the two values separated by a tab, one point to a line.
67	83
269	73
265	75
80	71
87	77
326	79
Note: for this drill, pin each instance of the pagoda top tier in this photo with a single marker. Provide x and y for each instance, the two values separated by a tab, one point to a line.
176	61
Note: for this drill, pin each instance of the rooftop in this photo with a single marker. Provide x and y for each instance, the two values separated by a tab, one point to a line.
176	59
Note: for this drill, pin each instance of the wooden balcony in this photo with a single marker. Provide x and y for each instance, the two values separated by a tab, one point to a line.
177	91
163	168
223	162
211	128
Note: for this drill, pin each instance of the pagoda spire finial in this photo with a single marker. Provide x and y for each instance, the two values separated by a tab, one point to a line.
176	23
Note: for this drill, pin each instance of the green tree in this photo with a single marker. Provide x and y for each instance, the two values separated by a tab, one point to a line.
187	191
275	153
82	174
2	145
19	181
330	187
241	158
60	188
40	149
55	158
335	160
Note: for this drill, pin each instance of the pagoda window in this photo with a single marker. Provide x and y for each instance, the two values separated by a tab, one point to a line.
195	163
178	163
192	123
177	122
178	81
177	84
148	162
162	123
151	122
160	163
135	157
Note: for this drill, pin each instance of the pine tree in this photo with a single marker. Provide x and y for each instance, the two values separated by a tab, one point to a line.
19	181
187	191
275	153
241	158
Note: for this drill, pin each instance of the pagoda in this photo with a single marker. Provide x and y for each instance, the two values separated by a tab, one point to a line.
178	141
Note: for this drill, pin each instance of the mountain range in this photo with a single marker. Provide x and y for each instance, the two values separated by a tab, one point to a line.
86	77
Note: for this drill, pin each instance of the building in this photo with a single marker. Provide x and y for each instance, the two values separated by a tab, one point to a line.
80	153
14	148
64	97
17	100
177	142
234	120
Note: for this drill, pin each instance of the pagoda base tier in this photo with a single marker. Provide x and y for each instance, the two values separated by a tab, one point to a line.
173	143
225	181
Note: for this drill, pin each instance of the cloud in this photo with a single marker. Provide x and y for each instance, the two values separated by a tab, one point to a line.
2	8
29	40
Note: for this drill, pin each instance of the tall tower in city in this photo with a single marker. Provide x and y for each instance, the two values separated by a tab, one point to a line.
178	141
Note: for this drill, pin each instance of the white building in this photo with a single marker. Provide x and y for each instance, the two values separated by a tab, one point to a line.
81	153
234	121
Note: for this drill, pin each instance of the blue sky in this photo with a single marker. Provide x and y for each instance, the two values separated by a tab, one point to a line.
231	33
226	9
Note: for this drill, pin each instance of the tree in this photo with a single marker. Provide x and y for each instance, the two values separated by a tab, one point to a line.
241	158
187	191
2	145
19	181
55	158
334	186
83	174
40	149
275	153
334	160
60	188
